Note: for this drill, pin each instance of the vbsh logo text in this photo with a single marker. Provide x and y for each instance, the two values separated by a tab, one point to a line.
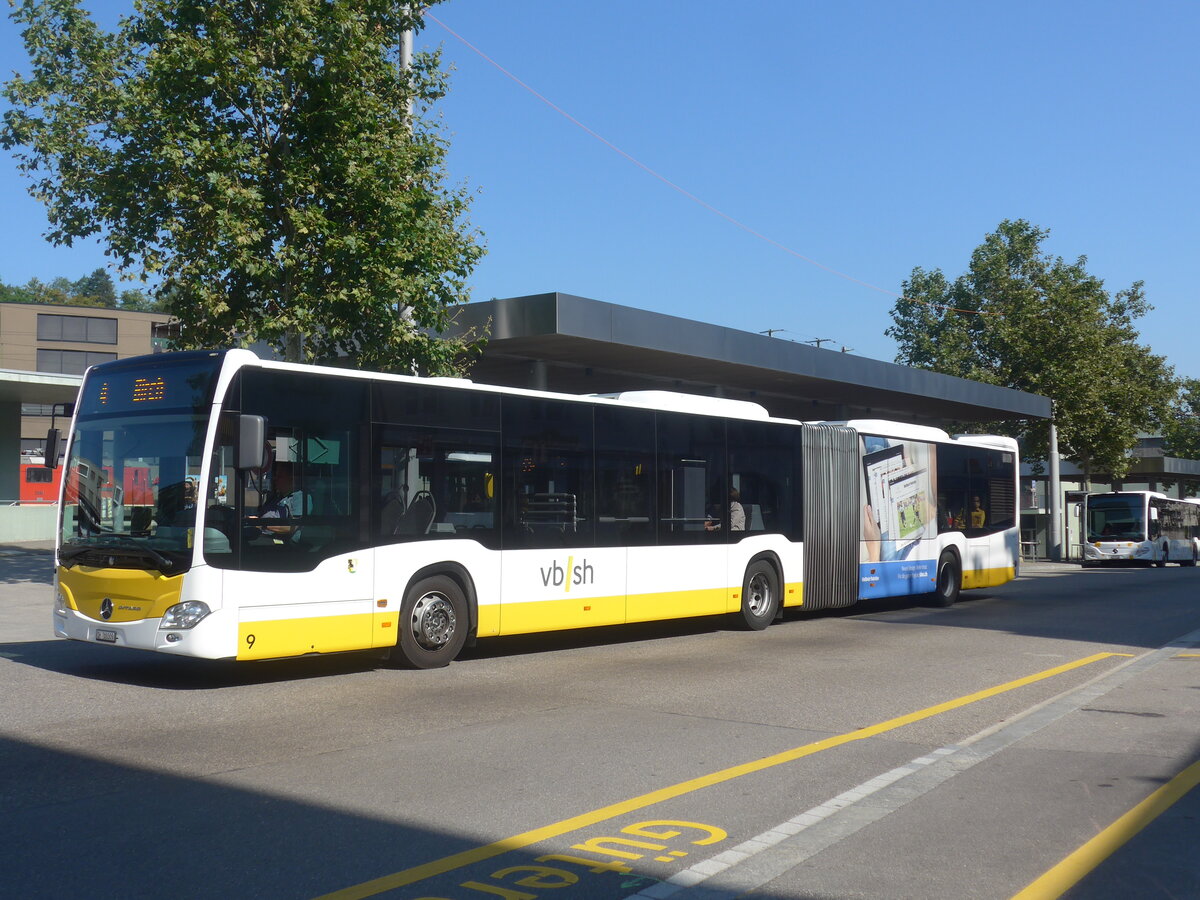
561	576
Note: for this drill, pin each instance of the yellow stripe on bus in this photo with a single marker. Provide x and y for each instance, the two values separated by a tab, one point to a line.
981	578
272	639
680	604
793	594
556	615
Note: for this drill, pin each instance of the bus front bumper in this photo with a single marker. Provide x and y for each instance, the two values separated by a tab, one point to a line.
1124	551
210	639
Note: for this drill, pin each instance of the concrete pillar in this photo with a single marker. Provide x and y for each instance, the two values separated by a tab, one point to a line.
537	375
1056	521
10	451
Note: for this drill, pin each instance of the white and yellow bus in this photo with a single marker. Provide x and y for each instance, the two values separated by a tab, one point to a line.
1143	527
300	509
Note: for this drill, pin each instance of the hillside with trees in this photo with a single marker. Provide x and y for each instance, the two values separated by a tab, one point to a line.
95	290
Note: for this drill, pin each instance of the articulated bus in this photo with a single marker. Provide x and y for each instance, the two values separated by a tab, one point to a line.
299	510
1141	527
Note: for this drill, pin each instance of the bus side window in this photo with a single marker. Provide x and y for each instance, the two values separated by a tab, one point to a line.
693	493
954	486
436	483
624	477
549	476
760	472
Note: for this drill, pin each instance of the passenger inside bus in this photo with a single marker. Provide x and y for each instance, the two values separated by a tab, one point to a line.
978	514
737	514
284	506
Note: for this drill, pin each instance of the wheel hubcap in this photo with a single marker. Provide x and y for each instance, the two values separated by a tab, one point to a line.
433	621
758	594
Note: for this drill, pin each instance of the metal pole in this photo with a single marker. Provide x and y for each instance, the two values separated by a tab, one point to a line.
406	49
1056	523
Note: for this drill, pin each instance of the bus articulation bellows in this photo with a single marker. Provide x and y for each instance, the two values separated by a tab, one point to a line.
292	510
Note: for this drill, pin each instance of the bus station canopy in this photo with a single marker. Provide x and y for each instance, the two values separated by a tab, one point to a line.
16	388
560	342
38	387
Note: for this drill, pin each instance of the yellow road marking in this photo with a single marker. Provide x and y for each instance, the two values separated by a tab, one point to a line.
1071	870
527	838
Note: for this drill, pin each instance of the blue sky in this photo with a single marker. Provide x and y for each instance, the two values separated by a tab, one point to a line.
870	137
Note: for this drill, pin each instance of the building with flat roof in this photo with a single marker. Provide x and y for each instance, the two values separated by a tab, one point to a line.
565	343
65	340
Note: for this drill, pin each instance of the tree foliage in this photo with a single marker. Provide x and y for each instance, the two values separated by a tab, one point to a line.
1022	318
256	158
95	290
97	287
1182	426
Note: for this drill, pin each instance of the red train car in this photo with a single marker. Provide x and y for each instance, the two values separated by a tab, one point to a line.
39	484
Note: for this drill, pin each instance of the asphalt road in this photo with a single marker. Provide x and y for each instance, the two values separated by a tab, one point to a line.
890	751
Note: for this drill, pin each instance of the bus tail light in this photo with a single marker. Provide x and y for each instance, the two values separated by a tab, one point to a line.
185	615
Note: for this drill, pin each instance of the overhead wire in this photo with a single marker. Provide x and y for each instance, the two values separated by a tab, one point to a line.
686	193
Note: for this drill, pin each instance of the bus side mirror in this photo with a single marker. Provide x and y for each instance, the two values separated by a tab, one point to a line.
252	439
53	440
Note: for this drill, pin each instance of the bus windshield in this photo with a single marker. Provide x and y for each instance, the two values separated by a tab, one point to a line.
1116	518
131	479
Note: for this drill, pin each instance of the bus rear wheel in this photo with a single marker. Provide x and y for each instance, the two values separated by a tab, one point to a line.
433	624
760	595
949	580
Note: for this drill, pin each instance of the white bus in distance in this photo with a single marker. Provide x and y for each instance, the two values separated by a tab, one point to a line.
301	509
1140	527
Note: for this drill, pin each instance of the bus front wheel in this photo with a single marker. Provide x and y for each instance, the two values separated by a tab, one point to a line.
949	580
433	624
760	595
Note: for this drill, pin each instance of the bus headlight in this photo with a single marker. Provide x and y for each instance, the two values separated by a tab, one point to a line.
60	603
185	615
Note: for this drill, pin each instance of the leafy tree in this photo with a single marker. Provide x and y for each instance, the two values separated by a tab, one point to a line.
137	301
1021	318
1182	425
58	291
11	293
97	287
258	160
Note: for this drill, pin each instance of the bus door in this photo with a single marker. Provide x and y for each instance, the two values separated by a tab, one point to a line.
436	485
563	563
685	572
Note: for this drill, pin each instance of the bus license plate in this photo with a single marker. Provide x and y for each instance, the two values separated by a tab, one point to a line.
104	634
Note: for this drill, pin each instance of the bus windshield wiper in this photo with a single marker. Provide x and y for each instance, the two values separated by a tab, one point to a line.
161	562
67	554
165	563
